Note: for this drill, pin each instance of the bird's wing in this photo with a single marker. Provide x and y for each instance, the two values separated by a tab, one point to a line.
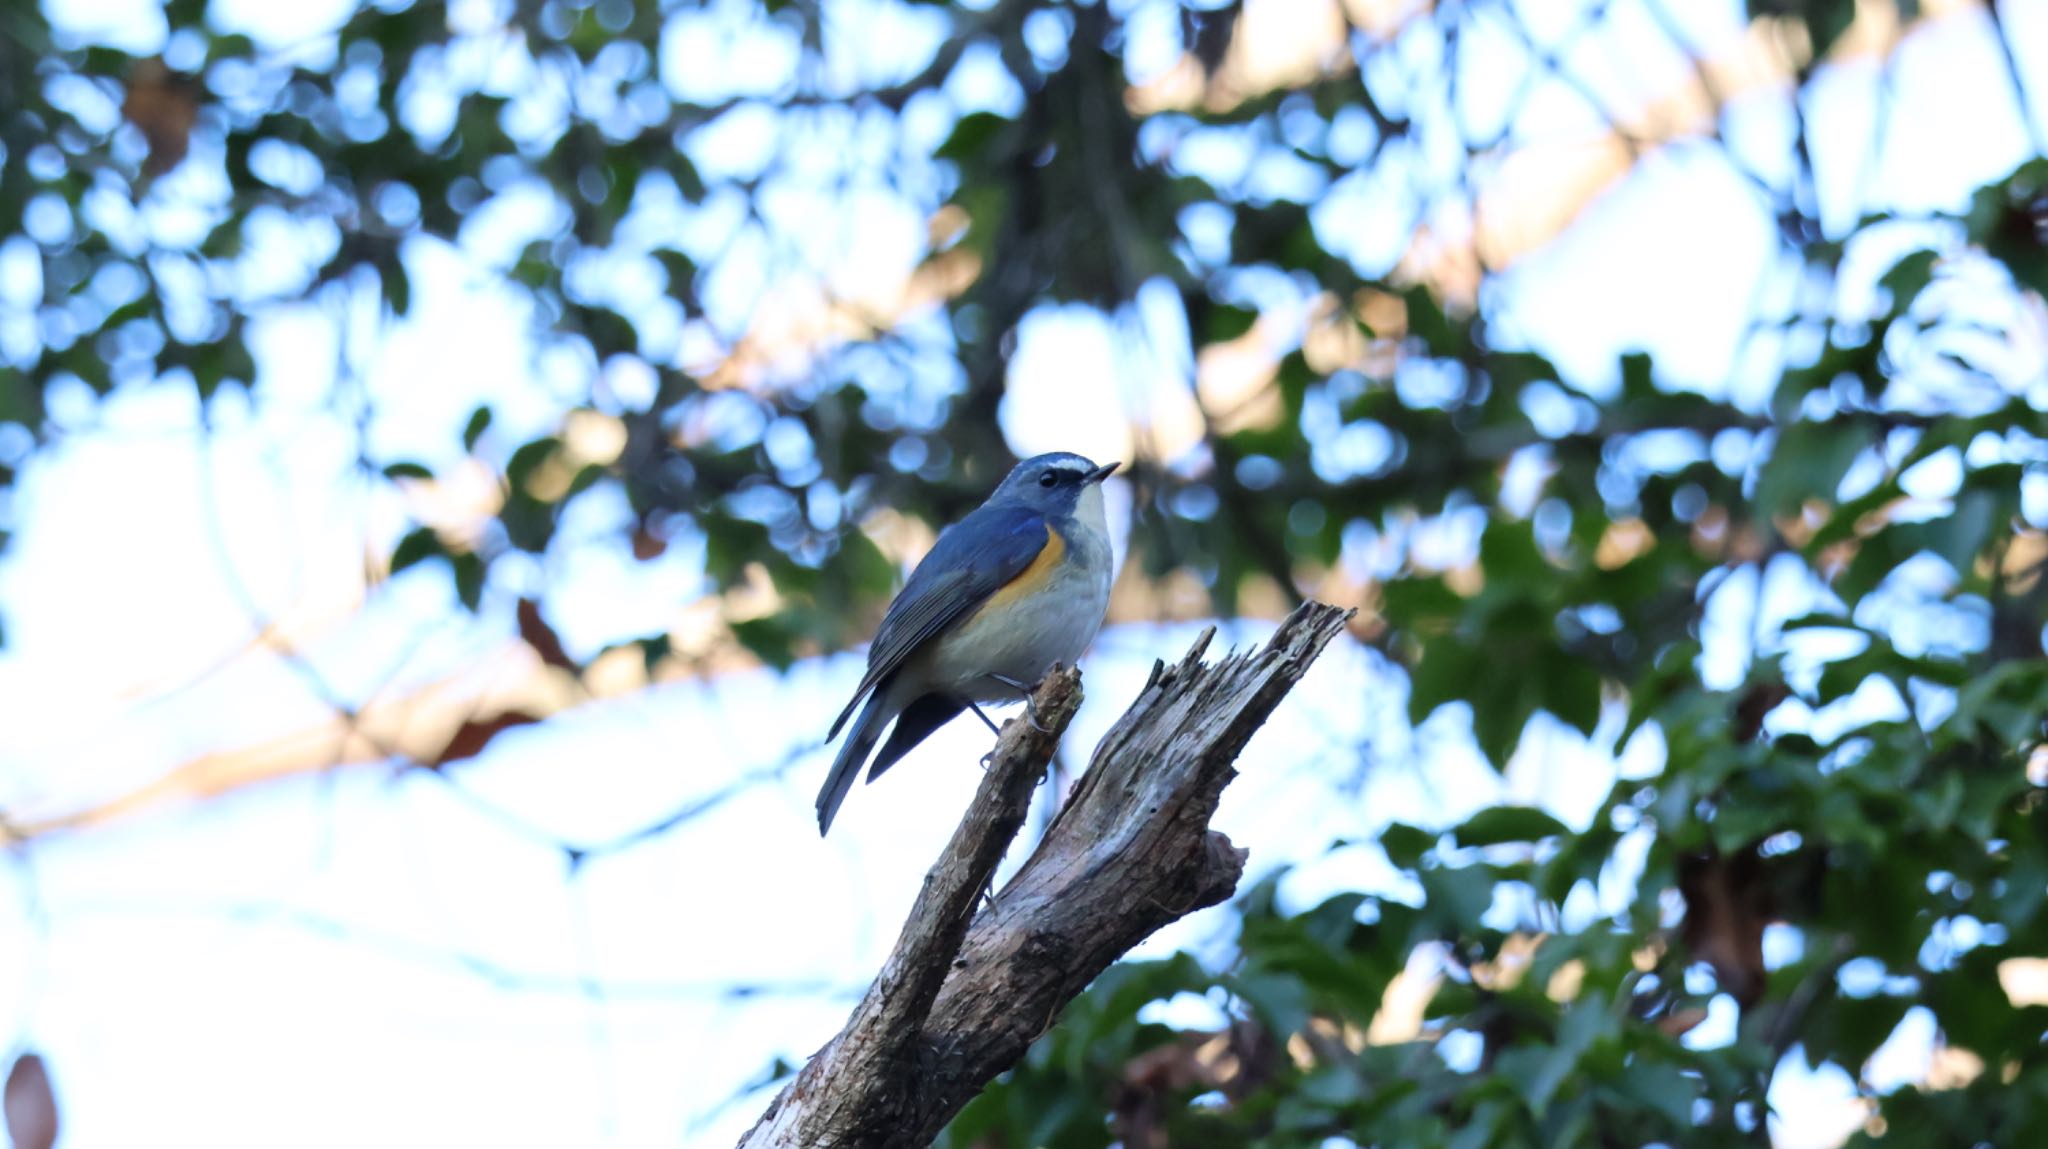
972	560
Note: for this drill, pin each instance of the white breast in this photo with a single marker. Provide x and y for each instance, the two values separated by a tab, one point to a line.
1054	625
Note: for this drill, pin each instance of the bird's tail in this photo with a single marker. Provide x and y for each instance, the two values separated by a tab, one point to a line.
913	726
845	768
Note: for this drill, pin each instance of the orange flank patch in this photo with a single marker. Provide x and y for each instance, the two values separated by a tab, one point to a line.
1034	577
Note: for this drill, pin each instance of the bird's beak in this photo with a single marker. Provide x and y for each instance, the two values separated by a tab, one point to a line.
1102	472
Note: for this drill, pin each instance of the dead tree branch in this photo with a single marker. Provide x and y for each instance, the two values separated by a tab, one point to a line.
964	994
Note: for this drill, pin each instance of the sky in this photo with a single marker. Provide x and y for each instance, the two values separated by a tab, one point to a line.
371	955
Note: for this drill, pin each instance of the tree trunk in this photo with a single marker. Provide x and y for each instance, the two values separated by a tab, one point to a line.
964	994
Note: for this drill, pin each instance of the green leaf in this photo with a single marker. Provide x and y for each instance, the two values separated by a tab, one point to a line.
1571	691
397	286
654	650
680	269
469	578
1227	323
479	422
971	136
529	523
1497	727
689	182
1513	370
1280	1001
868	572
1959	535
1808	462
1405	844
1826	20
1427	322
1907	277
236	364
1637	381
407	470
1420	601
1498	824
1508	553
770	637
419	545
1455	899
529	456
1445	672
1537	1072
587	476
1663	1089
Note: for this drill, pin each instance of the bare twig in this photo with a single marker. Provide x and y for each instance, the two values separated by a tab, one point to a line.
2036	135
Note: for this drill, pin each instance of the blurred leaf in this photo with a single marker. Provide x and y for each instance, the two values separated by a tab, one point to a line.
653	651
1571	691
397	286
164	106
866	569
1808	462
1497	824
1637	378
542	638
1441	676
1405	844
472	736
1428	322
681	271
972	135
529	523
1663	1089
418	545
1908	276
470	573
1420	602
527	458
479	422
1228	323
688	181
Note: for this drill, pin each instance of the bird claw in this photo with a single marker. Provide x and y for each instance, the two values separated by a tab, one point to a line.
1030	702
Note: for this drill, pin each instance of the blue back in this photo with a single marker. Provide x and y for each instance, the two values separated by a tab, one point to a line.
972	560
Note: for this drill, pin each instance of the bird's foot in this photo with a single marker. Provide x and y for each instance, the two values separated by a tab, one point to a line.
1030	703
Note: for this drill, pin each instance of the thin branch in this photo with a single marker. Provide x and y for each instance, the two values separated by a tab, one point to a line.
693	809
2036	136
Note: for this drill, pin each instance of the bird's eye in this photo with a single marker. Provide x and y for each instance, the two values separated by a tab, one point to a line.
1048	479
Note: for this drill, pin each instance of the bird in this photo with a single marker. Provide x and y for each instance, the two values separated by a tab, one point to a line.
1019	584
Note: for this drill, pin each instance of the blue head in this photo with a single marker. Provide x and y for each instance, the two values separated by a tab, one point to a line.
1054	485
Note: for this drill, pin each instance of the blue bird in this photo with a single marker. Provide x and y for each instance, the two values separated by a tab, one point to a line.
1019	584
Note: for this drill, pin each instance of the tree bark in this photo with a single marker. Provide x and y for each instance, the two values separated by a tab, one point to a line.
964	994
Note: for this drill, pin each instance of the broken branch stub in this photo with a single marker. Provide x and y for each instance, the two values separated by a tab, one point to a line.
963	995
